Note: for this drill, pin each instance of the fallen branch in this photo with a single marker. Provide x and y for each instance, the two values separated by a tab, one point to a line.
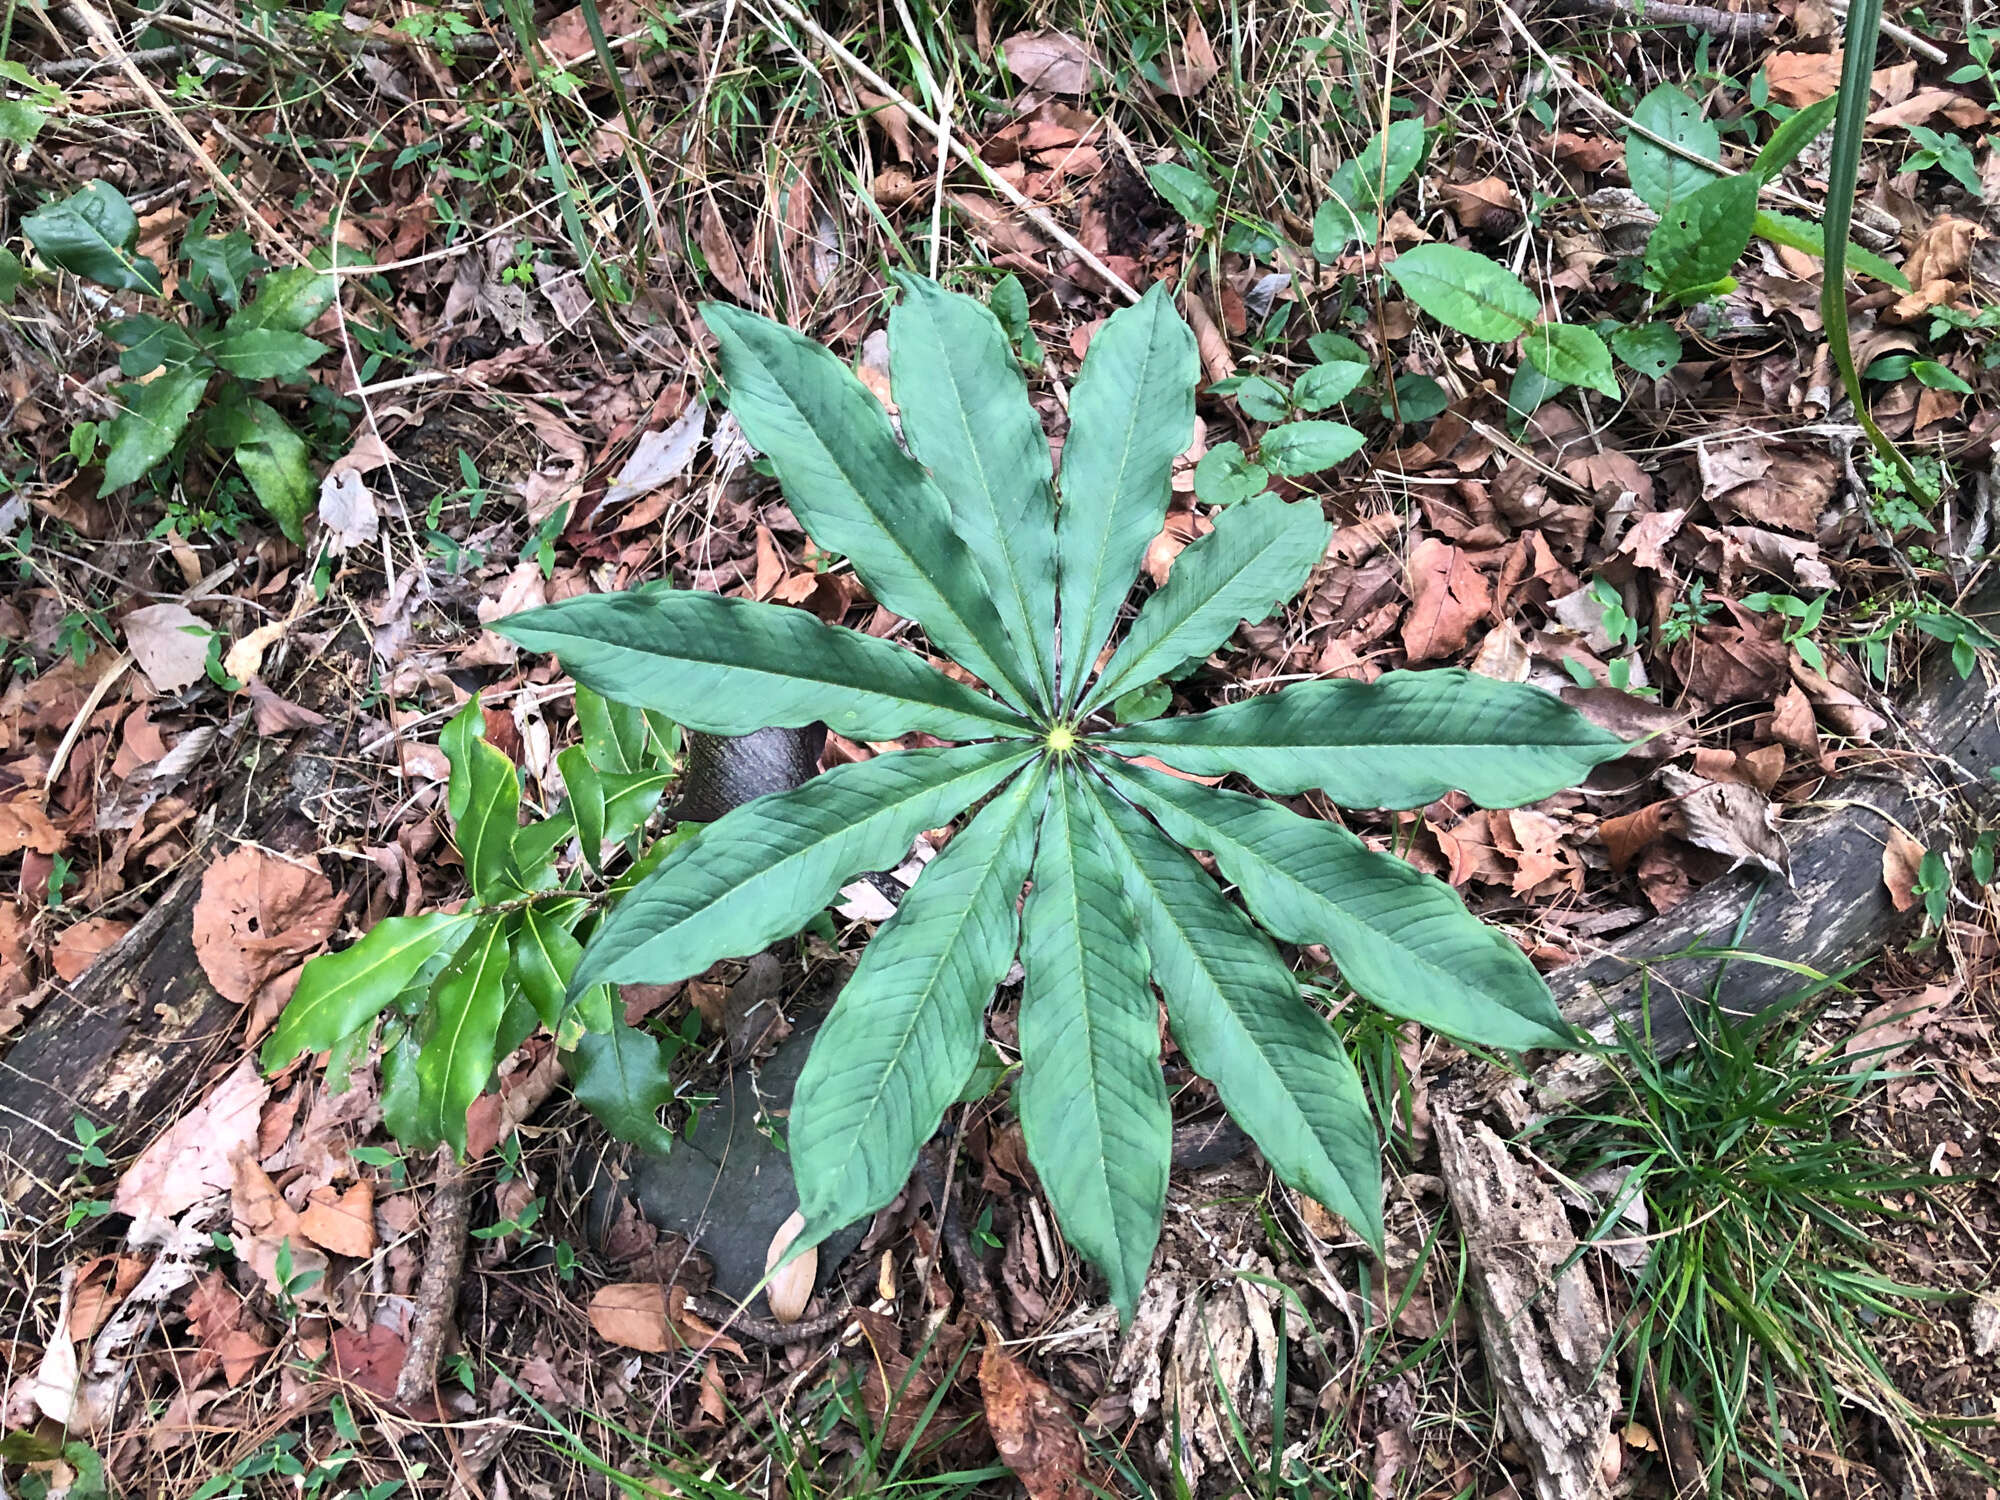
1545	1332
449	1215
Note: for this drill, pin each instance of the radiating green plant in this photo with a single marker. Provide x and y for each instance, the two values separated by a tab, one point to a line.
243	325
964	535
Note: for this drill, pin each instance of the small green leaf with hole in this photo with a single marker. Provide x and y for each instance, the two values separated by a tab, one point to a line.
1224	476
1650	348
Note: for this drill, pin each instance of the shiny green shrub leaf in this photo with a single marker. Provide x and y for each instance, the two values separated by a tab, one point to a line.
468	1001
623	1077
267	353
484	799
1400	938
143	435
273	458
92	232
1326	384
287	301
339	993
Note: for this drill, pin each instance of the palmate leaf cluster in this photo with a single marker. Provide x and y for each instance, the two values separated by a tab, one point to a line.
962	531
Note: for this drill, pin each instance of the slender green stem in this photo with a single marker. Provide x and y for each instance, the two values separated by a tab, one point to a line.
1864	20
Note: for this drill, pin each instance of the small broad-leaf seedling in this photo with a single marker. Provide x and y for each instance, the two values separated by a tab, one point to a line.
963	533
464	988
245	325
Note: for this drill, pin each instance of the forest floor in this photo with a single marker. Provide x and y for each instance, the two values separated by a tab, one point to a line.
1792	1232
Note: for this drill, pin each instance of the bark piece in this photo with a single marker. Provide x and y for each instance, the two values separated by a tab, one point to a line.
1546	1335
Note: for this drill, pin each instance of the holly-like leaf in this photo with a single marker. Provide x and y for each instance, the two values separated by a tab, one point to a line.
1401	938
857	492
273	458
287	301
92	232
905	1035
267	353
1403	740
1257	557
468	1001
1465	290
144	433
338	993
760	873
732	666
623	1077
966	417
1131	414
484	798
1238	1018
1093	1106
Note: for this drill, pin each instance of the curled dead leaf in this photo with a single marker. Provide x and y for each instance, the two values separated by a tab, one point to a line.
791	1287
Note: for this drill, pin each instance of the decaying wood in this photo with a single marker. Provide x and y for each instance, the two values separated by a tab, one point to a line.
449	1218
128	1043
1546	1334
1835	913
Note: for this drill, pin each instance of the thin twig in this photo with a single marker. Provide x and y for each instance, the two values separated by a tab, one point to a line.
1928	51
1031	210
224	184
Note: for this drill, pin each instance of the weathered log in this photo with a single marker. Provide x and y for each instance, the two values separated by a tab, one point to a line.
1546	1333
1835	913
130	1044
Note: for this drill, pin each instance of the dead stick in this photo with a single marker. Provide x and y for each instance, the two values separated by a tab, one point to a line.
1731	25
437	1291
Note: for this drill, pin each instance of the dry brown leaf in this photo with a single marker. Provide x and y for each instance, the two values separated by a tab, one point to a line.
100	1286
260	916
1802	78
23	825
718	247
193	1158
1489	201
1916	109
77	949
1052	61
275	715
1902	860
371	1359
1190	68
1792	722
1729	818
262	1222
1887	1029
790	1289
1032	1429
1626	835
341	1222
1448	598
170	644
633	1315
